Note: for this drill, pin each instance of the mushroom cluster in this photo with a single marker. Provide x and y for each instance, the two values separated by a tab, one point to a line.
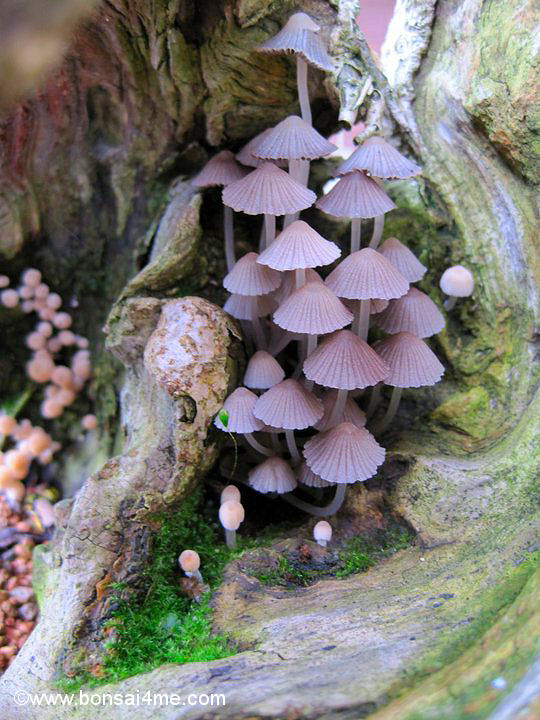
280	298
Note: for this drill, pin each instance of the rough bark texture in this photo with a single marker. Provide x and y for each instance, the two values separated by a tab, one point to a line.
92	176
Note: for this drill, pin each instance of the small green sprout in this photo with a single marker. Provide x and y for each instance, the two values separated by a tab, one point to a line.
223	416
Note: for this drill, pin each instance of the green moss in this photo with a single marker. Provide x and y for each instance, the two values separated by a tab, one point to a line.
469	412
360	553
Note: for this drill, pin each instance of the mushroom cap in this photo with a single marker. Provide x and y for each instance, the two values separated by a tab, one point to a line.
377	305
241	306
268	190
239	406
231	514
403	259
412	363
272	475
230	492
415	312
248	277
288	405
308	478
380	159
299	246
7	424
457	281
263	371
351	413
344	454
189	561
367	274
293	139
222	169
298	36
355	196
344	361
322	531
246	156
288	284
312	309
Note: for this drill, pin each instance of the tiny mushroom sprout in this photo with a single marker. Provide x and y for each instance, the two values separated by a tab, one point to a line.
231	516
221	170
230	492
299	36
190	563
322	533
378	158
238	410
456	281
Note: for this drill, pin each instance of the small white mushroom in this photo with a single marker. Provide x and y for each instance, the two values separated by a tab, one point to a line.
322	532
456	281
231	492
190	563
231	515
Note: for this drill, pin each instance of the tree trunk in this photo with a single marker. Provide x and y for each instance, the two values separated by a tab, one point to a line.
93	180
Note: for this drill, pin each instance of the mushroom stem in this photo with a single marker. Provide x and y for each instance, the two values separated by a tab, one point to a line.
303	93
378	227
281	343
330	509
257	445
276	445
374	400
260	340
361	319
391	411
230	539
269	229
300	275
356	234
291	444
449	304
339	407
195	574
228	230
247	329
299	171
311	347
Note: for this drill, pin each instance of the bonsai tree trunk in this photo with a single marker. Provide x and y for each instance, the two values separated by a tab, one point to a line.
94	190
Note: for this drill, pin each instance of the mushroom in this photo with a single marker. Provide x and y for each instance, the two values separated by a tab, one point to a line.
4	281
413	312
7	424
355	196
9	298
221	170
263	371
290	406
351	412
299	36
412	364
270	191
403	259
381	160
89	422
190	563
230	492
364	275
322	533
240	418
231	516
272	476
308	478
456	281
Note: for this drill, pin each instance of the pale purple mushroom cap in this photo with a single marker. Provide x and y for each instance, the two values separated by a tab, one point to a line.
241	306
246	156
222	169
411	362
345	362
249	278
380	159
288	405
344	454
351	413
415	313
293	139
263	371
288	284
355	196
307	477
268	190
367	274
403	259
272	475
299	36
299	246
239	406
313	309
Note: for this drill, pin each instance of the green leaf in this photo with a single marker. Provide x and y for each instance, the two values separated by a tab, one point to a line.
224	417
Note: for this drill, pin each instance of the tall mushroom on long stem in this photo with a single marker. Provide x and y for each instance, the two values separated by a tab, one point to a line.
299	36
355	196
221	170
381	160
270	191
362	276
412	364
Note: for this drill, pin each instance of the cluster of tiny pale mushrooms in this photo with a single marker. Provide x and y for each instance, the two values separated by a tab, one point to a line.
279	298
51	340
